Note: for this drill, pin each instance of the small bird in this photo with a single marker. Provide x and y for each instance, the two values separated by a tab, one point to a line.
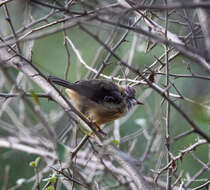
101	101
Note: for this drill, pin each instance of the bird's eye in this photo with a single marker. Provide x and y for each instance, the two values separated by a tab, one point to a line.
109	99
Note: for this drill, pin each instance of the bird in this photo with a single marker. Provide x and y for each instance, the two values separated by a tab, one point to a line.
99	100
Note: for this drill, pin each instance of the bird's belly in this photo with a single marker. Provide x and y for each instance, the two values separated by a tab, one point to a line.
102	116
97	113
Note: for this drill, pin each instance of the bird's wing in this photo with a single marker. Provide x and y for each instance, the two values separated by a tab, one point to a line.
88	88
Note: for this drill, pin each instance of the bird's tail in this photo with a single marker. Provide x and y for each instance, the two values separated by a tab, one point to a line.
60	82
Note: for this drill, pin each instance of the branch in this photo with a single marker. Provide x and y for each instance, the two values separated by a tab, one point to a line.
153	86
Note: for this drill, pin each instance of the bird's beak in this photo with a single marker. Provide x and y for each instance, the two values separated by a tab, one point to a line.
138	102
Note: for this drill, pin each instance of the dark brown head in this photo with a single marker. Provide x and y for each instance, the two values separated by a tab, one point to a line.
129	96
105	93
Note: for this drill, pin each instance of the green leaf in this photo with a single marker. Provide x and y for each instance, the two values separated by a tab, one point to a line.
49	188
53	179
32	164
61	151
115	142
35	98
37	160
35	163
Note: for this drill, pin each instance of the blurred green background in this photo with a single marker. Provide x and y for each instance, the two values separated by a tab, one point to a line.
49	55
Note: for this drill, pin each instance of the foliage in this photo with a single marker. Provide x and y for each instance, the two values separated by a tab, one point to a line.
161	48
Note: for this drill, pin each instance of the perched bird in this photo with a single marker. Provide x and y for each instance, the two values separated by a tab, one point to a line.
101	101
